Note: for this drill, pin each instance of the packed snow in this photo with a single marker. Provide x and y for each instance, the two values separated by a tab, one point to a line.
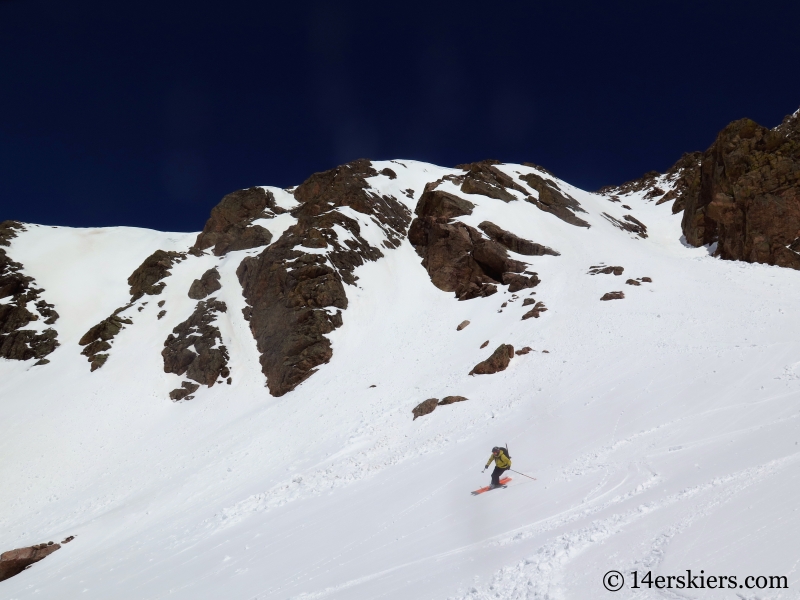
662	430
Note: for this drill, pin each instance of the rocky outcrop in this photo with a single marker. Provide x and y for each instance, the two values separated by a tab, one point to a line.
429	405
629	223
98	339
184	392
525	350
551	199
679	180
230	226
497	362
534	313
514	242
604	270
613	296
194	348
748	198
147	278
17	340
206	285
485	179
296	297
456	256
16	561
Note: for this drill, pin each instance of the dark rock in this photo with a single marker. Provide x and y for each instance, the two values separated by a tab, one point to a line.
462	325
206	285
553	200
195	346
632	282
748	197
457	257
161	314
498	361
484	344
451	400
646	280
98	338
528	301
613	296
602	270
230	224
184	391
513	242
68	539
14	562
16	342
146	279
485	179
545	351
629	223
435	203
161	303
389	173
517	282
291	293
525	350
425	408
537	309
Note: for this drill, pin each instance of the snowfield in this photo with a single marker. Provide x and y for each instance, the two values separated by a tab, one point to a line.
662	429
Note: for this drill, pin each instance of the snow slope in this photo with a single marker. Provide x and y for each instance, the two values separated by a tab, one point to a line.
662	429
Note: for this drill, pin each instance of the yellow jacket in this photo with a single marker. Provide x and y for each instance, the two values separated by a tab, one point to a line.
501	460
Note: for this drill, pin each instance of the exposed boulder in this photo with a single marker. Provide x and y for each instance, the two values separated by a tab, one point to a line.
497	362
525	350
604	270
194	347
551	199
425	408
230	226
484	344
206	285
537	309
629	223
633	282
14	562
452	399
436	203
183	392
462	325
748	199
646	280
613	296
146	279
513	242
295	297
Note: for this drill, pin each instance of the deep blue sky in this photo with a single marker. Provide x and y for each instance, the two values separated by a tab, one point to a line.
147	113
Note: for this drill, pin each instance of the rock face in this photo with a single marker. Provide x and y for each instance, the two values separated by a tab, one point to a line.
537	309
14	562
98	339
497	362
628	223
146	279
194	347
485	179
456	256
603	270
205	286
296	297
513	242
748	198
17	341
553	200
230	226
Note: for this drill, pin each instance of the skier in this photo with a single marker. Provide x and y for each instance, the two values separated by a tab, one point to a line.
502	464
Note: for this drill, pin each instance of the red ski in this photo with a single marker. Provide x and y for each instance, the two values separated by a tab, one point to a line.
503	481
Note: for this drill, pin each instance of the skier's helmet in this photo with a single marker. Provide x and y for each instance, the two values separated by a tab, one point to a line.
495	450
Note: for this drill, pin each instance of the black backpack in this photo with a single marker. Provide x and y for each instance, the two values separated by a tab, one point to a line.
505	451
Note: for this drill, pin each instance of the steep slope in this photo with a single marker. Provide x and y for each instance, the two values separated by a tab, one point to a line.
661	436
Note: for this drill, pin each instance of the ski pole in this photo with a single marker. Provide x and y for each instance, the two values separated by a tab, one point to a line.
523	474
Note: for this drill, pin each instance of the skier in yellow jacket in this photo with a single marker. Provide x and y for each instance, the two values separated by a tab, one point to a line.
502	463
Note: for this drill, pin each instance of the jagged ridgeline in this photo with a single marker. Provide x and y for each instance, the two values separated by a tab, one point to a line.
24	313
